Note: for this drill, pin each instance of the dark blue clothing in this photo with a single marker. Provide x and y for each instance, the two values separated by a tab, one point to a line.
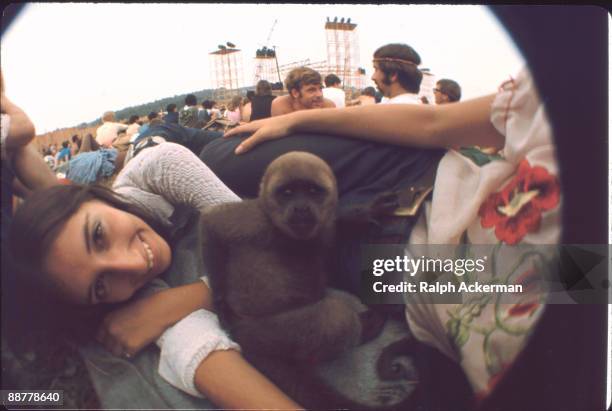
172	117
143	129
363	169
193	138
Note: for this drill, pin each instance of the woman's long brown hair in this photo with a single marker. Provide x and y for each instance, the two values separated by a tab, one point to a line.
36	309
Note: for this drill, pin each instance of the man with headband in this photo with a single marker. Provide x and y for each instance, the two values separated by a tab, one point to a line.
396	74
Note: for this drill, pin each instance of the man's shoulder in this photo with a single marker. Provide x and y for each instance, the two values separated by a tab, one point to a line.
281	105
281	100
327	103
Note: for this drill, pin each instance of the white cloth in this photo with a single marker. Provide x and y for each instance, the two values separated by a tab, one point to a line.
157	179
461	191
406	98
4	132
132	129
107	133
184	345
336	95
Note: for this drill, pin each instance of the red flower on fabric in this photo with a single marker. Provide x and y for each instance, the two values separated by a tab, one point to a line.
531	284
493	381
517	209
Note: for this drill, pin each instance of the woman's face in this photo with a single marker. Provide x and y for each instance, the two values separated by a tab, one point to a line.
104	255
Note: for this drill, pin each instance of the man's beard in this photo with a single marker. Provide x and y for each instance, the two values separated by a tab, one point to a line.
313	102
387	82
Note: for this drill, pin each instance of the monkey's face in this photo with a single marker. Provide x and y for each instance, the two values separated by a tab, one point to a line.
300	208
299	195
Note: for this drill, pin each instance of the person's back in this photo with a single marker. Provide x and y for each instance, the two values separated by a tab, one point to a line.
203	116
188	116
172	117
336	95
108	131
64	154
333	90
260	107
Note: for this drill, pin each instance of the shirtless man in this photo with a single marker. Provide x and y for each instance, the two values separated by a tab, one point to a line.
305	92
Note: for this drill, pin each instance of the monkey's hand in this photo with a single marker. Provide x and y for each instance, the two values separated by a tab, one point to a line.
263	130
358	218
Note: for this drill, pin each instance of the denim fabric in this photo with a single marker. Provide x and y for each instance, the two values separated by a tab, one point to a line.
193	138
134	384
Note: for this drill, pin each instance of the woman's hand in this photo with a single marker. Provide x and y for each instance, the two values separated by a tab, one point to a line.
127	330
263	130
21	129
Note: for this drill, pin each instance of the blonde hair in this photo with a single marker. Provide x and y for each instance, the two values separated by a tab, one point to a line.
108	116
301	76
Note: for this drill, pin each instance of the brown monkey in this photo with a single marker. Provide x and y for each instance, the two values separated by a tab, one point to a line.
267	264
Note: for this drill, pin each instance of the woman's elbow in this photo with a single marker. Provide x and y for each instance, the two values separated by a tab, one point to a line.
21	133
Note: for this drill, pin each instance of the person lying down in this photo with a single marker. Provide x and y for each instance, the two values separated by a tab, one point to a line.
129	245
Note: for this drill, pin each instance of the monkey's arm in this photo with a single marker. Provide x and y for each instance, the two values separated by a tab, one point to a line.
357	219
229	381
215	254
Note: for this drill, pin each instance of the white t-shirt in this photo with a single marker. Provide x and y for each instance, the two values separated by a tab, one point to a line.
406	98
4	130
336	95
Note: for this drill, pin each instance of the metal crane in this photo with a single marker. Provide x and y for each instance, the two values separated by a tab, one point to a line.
271	31
273	48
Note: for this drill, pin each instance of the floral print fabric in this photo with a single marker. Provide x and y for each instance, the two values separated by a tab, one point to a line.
513	200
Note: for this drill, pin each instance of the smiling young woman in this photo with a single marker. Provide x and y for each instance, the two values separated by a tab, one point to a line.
92	265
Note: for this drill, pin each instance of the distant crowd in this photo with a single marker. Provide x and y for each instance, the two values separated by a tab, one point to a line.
396	76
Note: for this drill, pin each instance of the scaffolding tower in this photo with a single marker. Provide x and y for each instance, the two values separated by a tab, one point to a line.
265	65
226	71
343	51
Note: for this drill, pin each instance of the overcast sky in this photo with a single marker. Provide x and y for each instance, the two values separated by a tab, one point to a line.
67	63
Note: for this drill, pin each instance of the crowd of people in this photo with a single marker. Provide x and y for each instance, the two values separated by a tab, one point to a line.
113	264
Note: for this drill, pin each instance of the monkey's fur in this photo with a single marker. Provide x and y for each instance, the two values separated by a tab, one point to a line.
267	261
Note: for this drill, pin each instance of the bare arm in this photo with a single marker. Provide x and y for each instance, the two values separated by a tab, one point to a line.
31	169
465	123
131	328
229	381
27	163
21	130
224	376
